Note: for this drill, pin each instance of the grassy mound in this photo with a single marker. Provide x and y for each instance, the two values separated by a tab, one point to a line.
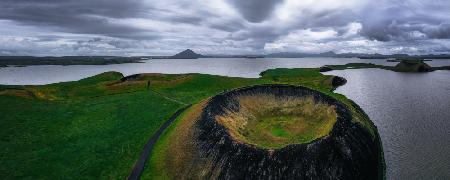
271	122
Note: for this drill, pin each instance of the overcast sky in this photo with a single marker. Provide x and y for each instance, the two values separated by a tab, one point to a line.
164	27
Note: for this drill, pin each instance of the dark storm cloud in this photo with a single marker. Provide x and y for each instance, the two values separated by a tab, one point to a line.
407	20
255	10
243	26
76	16
397	31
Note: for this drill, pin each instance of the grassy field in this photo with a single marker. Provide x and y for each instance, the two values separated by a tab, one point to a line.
77	130
96	128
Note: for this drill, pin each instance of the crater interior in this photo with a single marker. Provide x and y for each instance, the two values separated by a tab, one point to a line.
271	121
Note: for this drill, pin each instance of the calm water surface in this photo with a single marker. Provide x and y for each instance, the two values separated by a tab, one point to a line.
411	111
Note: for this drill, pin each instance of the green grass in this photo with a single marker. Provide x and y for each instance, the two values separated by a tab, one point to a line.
98	138
77	130
96	128
278	130
174	142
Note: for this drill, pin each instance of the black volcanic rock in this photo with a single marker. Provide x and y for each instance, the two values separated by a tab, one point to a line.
338	81
186	54
325	69
350	151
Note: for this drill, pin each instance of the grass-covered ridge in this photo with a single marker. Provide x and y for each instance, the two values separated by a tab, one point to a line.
96	127
271	122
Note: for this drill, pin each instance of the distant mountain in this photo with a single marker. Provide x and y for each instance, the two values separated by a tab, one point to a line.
300	55
186	54
233	56
354	55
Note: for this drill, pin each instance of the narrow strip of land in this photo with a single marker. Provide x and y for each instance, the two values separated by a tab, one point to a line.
139	166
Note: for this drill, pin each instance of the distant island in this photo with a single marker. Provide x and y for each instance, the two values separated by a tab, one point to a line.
405	65
66	60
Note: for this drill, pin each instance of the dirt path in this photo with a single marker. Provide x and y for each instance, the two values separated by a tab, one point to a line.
139	166
169	98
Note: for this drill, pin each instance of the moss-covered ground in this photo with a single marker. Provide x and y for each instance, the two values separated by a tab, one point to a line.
96	128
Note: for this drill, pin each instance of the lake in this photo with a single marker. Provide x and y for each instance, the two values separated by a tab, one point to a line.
411	110
412	113
234	67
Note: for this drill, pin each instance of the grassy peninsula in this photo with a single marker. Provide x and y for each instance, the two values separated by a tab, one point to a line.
97	127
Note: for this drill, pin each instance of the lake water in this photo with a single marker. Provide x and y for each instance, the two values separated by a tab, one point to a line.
411	110
412	113
234	67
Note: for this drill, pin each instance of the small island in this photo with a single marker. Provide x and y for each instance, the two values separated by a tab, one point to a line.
412	66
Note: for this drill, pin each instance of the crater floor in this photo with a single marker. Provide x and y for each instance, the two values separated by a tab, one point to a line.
271	122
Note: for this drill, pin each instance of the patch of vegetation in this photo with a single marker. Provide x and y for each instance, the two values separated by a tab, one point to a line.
308	77
271	122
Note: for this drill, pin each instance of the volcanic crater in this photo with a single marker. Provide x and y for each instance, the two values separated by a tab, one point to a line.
274	132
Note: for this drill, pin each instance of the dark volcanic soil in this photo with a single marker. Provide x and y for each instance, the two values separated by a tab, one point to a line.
348	152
